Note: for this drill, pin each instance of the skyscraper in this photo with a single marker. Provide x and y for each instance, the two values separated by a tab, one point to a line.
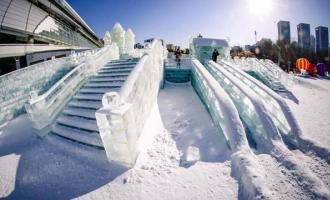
312	43
304	33
284	31
322	38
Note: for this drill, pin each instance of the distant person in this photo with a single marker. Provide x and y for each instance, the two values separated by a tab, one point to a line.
215	55
178	57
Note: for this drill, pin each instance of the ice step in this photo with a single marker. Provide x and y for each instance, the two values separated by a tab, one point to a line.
88	97
110	79
103	85
97	90
85	104
73	111
114	71
78	123
110	67
120	63
84	137
115	74
118	66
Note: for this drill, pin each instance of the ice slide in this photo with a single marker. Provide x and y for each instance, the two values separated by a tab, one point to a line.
226	118
264	131
273	77
278	110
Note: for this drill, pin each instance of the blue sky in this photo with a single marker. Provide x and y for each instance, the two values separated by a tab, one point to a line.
178	20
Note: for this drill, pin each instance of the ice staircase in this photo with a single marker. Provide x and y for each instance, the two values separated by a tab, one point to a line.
77	122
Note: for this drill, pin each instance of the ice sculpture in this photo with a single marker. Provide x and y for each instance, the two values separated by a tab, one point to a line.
123	115
107	39
129	42
118	37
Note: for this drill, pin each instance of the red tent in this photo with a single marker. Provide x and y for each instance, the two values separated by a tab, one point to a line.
311	70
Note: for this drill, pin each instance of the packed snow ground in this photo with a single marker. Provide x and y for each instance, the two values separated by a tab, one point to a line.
310	103
51	168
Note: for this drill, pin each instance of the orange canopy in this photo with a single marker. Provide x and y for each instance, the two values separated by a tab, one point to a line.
302	64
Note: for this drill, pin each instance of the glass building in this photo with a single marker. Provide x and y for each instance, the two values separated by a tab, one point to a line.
284	33
322	38
304	33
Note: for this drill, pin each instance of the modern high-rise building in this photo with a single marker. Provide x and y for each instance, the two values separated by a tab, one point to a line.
284	33
304	34
322	38
313	42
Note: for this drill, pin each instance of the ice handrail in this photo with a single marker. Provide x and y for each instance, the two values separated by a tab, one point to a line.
123	115
16	86
43	109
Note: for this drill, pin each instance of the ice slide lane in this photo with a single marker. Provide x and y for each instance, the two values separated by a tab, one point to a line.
245	167
269	75
247	101
280	113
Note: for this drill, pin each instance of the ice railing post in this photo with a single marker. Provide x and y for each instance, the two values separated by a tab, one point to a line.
43	109
123	115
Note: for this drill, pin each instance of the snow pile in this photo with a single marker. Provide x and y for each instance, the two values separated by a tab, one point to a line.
192	155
